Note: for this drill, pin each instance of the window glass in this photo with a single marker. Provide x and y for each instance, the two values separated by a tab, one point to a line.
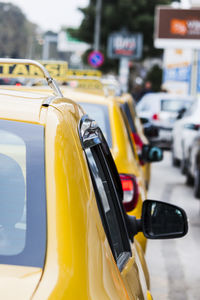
146	106
13	193
127	126
100	114
109	206
126	110
174	105
22	194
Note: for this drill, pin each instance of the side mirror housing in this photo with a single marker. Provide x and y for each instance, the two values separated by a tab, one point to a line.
159	220
150	131
151	153
181	113
162	220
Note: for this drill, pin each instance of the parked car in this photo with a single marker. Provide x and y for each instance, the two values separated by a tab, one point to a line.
64	231
193	166
162	110
106	112
183	134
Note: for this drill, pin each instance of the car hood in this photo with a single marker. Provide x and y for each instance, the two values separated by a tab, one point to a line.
18	281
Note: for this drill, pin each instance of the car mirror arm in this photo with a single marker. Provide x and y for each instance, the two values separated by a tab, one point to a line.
133	225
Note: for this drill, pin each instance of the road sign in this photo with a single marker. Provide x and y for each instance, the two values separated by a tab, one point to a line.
95	59
125	44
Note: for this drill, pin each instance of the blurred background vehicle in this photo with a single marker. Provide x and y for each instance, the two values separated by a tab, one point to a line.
127	105
162	109
11	81
193	166
183	134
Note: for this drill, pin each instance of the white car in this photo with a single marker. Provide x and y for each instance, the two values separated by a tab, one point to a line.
162	110
183	134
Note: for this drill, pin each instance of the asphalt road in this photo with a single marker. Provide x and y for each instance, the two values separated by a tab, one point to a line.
174	265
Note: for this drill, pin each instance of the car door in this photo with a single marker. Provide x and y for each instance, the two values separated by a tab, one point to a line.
109	194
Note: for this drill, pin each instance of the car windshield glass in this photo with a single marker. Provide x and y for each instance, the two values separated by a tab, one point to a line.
22	194
174	105
100	114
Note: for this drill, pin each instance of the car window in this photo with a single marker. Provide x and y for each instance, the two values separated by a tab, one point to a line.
126	110
144	106
127	128
22	194
108	202
100	114
172	105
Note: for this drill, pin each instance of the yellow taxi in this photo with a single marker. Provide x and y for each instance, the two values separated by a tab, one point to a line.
113	122
107	113
64	233
111	117
127	105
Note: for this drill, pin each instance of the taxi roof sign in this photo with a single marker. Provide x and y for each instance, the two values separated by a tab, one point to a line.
83	73
87	83
9	64
56	69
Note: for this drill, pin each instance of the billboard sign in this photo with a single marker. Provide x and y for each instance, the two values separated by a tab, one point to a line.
177	65
123	44
177	28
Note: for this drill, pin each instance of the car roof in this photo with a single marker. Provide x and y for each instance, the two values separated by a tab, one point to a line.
86	96
23	105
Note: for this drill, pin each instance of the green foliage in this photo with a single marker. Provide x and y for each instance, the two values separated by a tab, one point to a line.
134	15
15	31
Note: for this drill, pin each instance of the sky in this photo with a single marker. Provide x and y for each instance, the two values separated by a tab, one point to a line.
51	15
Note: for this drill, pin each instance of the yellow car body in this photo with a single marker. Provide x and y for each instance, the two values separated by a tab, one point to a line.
76	261
119	139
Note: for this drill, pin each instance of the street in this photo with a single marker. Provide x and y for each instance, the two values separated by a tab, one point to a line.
174	264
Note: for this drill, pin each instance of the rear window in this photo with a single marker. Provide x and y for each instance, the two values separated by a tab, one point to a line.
174	105
100	114
22	194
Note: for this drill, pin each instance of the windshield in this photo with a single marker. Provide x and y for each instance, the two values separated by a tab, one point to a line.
100	114
22	194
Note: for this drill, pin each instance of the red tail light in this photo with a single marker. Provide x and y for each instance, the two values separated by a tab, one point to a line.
131	191
155	117
196	126
139	145
18	84
138	141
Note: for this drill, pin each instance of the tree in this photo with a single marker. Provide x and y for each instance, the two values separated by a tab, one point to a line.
15	32
134	15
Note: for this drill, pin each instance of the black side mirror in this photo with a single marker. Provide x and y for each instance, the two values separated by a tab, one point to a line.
150	131
181	113
144	120
151	153
159	220
162	220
